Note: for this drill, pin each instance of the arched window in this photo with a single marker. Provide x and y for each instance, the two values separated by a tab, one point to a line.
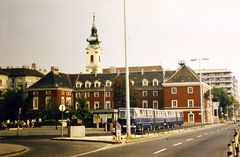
91	58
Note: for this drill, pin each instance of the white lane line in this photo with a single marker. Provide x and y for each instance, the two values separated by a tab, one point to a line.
205	133
212	132
199	136
91	151
189	139
218	130
177	144
160	151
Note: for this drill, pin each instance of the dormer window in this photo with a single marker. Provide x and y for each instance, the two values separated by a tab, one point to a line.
155	82
87	84
78	85
108	83
144	82
96	84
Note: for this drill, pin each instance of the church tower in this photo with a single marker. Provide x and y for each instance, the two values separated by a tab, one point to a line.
93	52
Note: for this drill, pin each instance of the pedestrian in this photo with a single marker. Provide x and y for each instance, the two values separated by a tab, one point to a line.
114	132
118	130
28	123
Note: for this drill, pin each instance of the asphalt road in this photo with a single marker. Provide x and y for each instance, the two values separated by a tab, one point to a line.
210	141
204	142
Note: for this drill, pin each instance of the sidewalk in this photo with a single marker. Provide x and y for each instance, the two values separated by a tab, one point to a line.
91	135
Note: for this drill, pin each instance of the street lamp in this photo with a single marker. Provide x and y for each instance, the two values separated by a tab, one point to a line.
105	106
199	59
127	77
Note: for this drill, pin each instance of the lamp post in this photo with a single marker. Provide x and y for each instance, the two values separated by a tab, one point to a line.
105	106
199	59
127	77
210	97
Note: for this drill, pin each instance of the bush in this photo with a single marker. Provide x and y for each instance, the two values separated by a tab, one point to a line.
10	125
50	123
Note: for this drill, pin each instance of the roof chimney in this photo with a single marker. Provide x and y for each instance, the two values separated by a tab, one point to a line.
55	70
34	66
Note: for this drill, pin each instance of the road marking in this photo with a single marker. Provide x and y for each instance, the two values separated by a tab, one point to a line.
205	133
212	132
177	144
218	130
160	151
91	151
199	136
189	139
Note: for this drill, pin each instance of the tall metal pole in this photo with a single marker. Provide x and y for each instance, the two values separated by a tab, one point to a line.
201	105
210	97
201	92
62	124
127	77
105	106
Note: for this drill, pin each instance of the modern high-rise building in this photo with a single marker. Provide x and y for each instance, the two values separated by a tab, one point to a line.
221	78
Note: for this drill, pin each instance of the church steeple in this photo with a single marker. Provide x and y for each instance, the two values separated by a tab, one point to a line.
93	39
93	51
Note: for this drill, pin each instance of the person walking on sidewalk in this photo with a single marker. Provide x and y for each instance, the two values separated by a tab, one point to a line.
114	132
118	131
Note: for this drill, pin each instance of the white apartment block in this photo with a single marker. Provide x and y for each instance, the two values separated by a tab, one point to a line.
221	78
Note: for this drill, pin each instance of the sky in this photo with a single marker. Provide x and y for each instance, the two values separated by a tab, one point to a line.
159	32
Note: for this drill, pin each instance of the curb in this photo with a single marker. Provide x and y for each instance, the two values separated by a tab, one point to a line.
17	149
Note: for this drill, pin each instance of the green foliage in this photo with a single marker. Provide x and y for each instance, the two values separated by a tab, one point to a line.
227	102
119	88
82	111
10	103
50	110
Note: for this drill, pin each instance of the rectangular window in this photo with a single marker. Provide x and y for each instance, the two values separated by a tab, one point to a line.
87	94
48	92
96	94
107	94
77	95
96	105
88	104
62	100
174	90
108	105
155	104
47	99
144	104
68	93
35	103
190	89
174	103
144	93
155	93
190	103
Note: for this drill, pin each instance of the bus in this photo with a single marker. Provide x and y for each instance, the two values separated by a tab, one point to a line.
142	119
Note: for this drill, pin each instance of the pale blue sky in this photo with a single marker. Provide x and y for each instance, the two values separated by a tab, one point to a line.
160	32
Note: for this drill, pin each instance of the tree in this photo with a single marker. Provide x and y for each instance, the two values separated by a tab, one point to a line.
10	102
50	110
82	111
119	88
225	100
